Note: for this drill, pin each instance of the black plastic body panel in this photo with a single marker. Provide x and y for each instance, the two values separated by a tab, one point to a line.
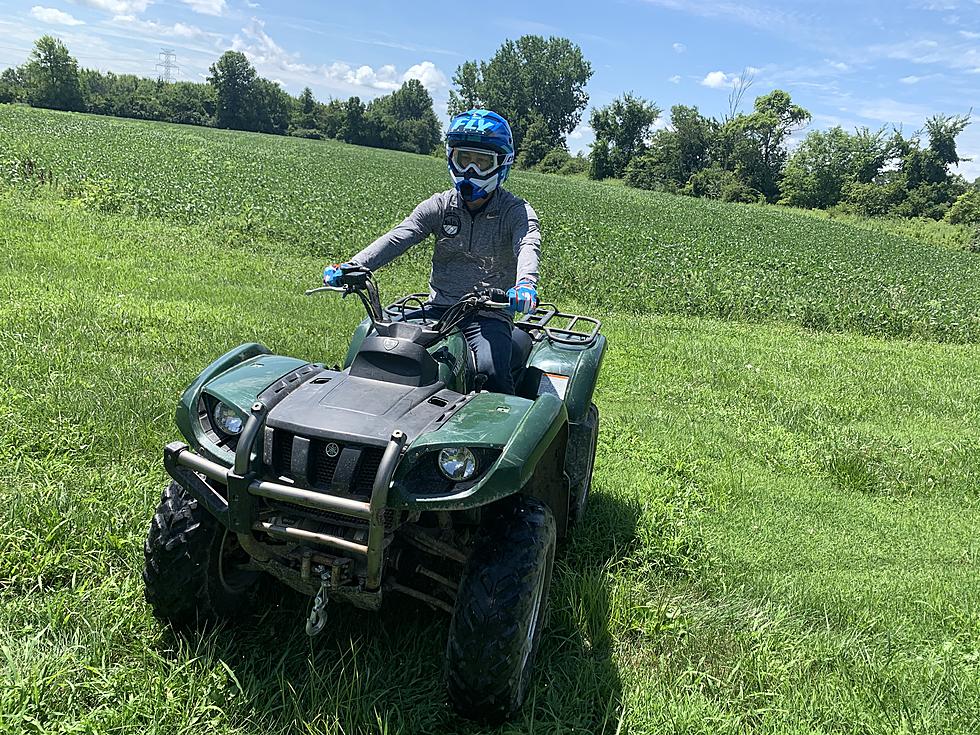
355	410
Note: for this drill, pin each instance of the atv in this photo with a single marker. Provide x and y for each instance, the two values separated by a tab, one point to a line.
394	475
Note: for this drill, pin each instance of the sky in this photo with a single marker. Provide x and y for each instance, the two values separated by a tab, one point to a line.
879	63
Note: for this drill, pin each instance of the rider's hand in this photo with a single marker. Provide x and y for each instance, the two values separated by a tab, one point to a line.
523	298
332	274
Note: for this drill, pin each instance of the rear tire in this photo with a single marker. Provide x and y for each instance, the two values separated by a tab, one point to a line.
500	611
192	571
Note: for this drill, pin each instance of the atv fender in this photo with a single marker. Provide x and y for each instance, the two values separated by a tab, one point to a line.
580	364
235	378
523	431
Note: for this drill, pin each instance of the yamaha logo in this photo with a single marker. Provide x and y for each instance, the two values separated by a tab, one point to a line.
332	450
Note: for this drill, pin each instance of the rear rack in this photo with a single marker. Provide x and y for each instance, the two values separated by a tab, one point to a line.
567	334
539	319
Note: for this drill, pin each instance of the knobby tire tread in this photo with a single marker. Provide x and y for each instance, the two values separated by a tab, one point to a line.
493	609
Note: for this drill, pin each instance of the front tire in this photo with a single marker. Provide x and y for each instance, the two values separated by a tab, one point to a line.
193	565
500	611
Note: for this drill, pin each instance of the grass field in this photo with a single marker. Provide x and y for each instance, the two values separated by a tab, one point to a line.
784	536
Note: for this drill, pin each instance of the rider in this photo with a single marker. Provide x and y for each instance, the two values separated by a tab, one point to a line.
485	238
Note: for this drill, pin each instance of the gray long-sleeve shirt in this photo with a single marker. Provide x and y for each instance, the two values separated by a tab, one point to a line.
495	248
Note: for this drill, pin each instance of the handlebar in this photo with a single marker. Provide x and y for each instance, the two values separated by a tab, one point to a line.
360	281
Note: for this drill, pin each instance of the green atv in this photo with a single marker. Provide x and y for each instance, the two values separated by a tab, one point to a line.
393	475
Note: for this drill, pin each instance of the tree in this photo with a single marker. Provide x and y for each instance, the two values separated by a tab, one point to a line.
554	161
658	167
966	209
600	167
352	124
626	123
529	77
403	120
13	85
822	166
674	155
52	76
270	108
233	78
305	109
189	103
537	143
329	117
466	95
757	141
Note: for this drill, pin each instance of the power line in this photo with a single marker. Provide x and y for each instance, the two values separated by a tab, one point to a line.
168	65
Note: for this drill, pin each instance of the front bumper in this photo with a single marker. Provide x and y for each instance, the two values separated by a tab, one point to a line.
237	508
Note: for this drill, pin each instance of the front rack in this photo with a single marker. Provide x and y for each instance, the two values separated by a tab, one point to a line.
407	304
565	332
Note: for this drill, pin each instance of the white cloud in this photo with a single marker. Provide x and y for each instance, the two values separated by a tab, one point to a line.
951	53
971	35
911	79
119	7
580	132
263	51
679	48
55	16
251	4
207	7
887	110
676	79
430	75
151	27
718	80
271	59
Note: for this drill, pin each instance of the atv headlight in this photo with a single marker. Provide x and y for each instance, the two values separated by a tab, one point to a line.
227	419
457	463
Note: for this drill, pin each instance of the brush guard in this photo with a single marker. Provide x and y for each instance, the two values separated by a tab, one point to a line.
237	511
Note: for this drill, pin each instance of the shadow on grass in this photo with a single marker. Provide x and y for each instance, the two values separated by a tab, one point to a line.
382	672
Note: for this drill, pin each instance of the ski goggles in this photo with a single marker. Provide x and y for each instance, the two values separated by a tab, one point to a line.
479	160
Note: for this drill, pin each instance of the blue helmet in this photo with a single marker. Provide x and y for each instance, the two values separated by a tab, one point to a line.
480	150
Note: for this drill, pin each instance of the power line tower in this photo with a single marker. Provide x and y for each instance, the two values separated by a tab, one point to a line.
168	65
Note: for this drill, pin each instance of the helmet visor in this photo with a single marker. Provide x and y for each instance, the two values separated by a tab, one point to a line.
479	160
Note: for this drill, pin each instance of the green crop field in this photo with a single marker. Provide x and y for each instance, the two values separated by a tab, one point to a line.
785	535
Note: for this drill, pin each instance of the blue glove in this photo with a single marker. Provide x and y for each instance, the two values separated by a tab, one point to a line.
523	298
332	274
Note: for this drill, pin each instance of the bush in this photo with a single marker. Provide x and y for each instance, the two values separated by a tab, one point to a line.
553	161
649	171
966	209
575	166
873	199
709	183
738	191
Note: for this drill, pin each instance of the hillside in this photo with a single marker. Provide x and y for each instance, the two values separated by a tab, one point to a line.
784	532
609	248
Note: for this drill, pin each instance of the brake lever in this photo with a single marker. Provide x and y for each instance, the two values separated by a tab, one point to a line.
321	289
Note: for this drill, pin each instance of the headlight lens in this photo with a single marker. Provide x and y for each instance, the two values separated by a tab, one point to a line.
227	419
457	463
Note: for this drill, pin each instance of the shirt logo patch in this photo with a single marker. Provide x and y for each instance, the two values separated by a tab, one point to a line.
451	225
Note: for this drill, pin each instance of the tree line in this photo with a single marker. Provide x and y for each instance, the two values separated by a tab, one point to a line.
538	84
234	96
